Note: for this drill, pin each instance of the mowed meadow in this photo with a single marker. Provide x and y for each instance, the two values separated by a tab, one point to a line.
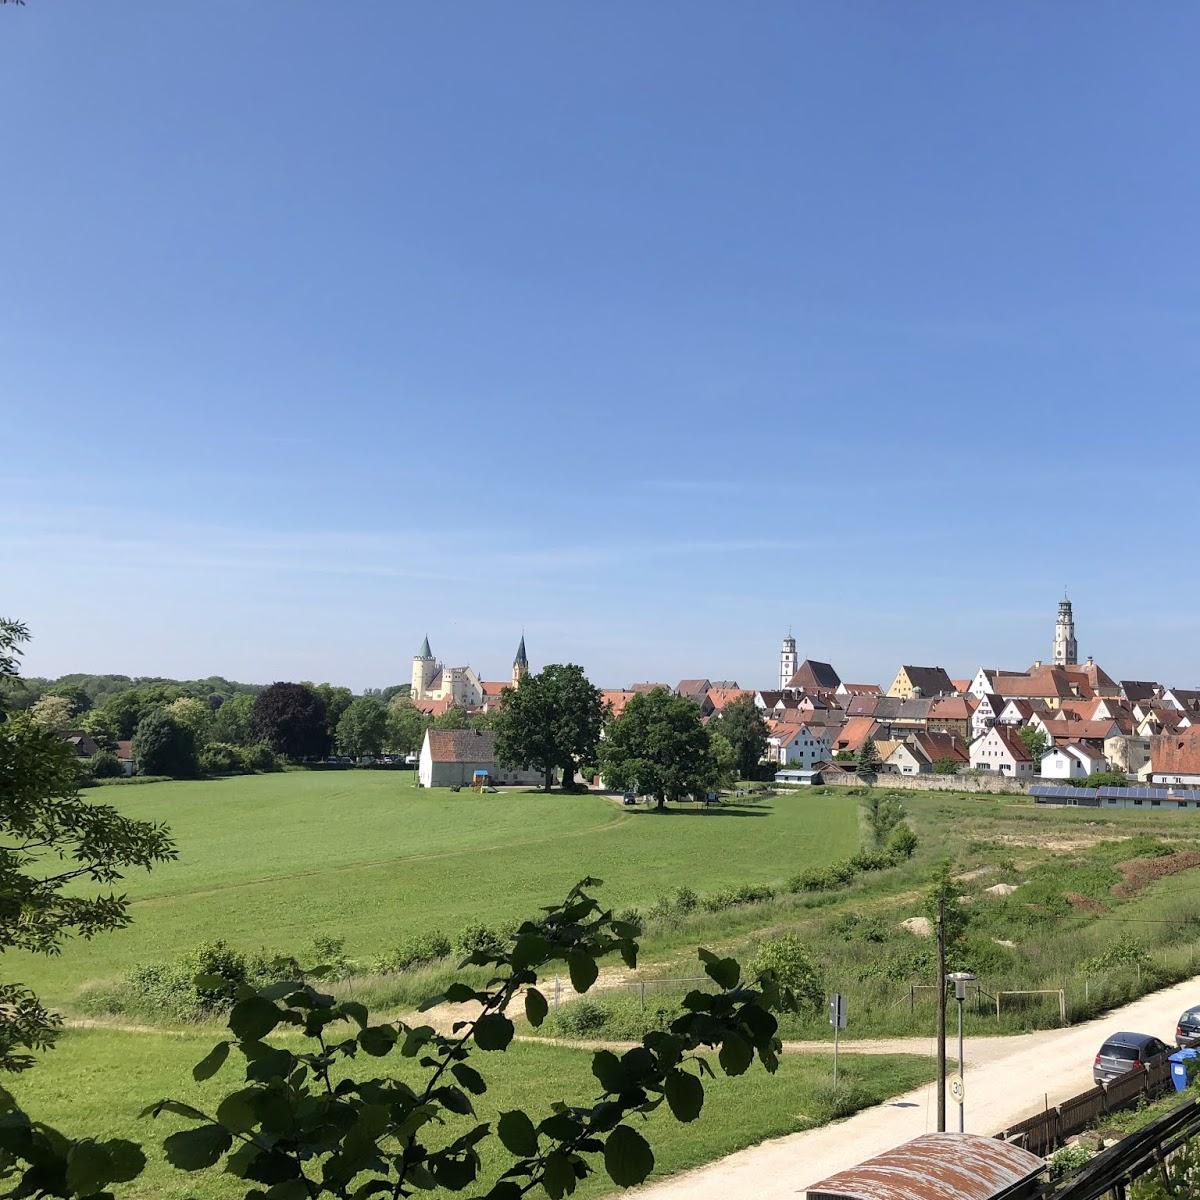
272	861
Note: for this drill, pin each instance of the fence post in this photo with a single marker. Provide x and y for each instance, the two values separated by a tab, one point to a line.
557	985
643	995
912	999
1087	989
998	995
1062	1005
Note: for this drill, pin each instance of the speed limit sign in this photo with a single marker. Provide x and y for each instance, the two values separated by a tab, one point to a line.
956	1088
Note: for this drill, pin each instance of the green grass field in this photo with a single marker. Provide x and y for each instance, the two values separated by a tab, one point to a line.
97	1081
273	860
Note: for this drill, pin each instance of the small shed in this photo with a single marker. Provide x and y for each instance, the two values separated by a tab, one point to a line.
796	775
939	1166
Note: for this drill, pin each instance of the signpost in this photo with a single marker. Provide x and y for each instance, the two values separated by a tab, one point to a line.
837	1018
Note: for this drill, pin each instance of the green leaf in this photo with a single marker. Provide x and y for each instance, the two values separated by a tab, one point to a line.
628	1158
195	1149
724	972
735	1055
289	1189
455	1099
536	1007
583	970
377	1040
685	1095
517	1133
209	983
558	1176
128	1161
253	1018
530	949
89	1167
211	1063
356	1012
469	1078
607	1068
237	1111
493	1031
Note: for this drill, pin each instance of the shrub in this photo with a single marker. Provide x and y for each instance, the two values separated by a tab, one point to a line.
1067	1161
631	916
686	900
580	1018
786	958
479	938
217	960
105	764
330	952
259	757
731	897
903	842
813	879
872	860
417	950
218	758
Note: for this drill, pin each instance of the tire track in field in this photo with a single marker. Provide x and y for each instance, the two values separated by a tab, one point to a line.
373	864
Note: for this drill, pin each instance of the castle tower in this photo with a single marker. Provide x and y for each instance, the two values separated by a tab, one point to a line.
520	664
1066	650
787	661
423	669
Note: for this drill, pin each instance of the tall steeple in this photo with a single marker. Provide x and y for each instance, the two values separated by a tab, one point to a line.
1066	649
422	670
520	664
787	661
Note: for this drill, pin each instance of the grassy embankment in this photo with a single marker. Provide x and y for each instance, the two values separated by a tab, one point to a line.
97	1081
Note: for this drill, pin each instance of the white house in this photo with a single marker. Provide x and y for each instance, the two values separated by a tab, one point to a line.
798	746
453	757
1002	751
986	714
1072	761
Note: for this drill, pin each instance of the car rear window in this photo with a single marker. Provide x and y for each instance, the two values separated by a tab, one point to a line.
1117	1050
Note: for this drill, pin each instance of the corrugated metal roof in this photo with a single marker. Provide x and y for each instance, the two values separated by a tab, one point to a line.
938	1166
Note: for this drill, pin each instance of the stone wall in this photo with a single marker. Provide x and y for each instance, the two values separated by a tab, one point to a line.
940	783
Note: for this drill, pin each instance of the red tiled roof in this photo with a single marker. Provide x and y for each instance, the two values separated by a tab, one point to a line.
720	697
617	700
1176	753
462	745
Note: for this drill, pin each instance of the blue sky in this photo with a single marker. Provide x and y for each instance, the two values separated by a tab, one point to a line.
652	329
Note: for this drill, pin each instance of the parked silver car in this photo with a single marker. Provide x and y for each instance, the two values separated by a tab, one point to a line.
1125	1052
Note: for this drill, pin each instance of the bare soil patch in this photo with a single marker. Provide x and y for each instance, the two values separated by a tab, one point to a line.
1085	904
1139	873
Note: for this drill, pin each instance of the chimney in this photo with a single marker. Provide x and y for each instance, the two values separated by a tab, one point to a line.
1037	662
1091	662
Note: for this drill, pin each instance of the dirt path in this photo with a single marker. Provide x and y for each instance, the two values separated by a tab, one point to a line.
1014	1078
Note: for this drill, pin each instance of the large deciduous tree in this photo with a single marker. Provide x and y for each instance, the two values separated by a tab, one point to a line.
362	728
552	721
231	722
742	724
1034	740
49	839
406	725
659	747
164	746
337	700
290	718
52	712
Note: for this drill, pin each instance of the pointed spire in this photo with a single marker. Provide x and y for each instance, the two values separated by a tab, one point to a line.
521	660
425	651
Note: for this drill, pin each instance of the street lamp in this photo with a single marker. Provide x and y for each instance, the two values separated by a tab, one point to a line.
960	979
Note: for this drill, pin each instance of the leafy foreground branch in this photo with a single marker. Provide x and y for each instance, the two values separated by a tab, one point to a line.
301	1125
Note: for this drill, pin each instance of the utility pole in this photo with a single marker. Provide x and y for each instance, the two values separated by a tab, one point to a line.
941	1013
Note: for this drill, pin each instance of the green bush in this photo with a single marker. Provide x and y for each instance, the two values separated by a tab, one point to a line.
903	842
259	757
1067	1161
105	764
217	960
786	958
479	938
731	897
871	860
417	950
217	758
580	1018
330	952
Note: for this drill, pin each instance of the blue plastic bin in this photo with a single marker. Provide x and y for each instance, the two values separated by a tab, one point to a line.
1179	1067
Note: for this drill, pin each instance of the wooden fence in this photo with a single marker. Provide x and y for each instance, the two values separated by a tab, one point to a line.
1043	1132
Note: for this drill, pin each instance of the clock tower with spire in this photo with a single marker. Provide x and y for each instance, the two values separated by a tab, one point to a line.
1066	650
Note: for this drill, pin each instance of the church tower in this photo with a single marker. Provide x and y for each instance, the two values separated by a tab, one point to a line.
520	664
787	661
423	669
1066	651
